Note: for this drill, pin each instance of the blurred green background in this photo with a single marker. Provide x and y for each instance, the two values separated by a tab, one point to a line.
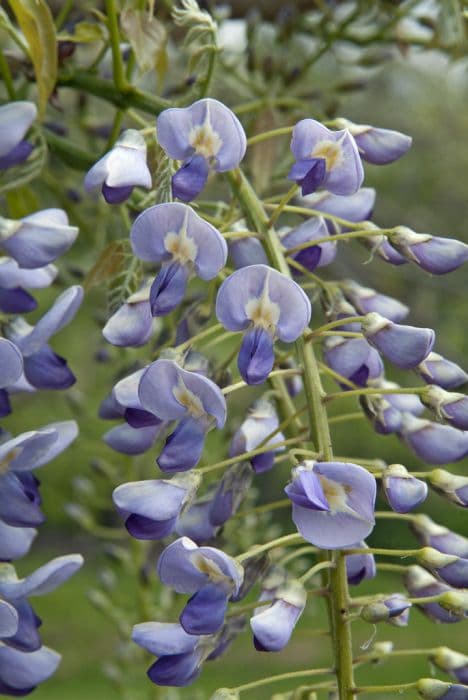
426	190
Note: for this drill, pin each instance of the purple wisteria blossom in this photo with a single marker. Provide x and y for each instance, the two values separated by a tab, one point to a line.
367	300
432	442
409	403
452	662
121	169
403	491
141	428
272	626
404	346
385	418
261	421
333	502
38	239
11	363
324	158
132	324
174	235
392	608
151	507
451	486
44	369
247	251
356	207
353	358
431	253
431	534
172	393
266	304
376	145
420	584
209	575
448	406
359	566
15	120
205	136
14	299
435	369
21	672
313	256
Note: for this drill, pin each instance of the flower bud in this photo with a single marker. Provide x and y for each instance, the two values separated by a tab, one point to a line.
452	662
359	566
225	694
435	369
455	602
441	538
367	300
392	609
450	568
452	486
420	584
449	407
432	689
405	346
402	491
384	417
432	442
431	253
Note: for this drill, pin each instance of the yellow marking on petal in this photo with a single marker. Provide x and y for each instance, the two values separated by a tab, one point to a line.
262	311
188	399
336	495
330	151
9	457
182	248
209	568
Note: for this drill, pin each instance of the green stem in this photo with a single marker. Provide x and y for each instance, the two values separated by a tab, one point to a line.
246	455
375	392
338	237
397	688
346	417
305	211
7	77
336	324
385	552
284	677
321	566
265	135
118	70
319	431
275	373
293	538
282	203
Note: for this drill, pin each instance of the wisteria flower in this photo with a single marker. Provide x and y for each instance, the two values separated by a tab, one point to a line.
261	421
448	406
435	369
208	574
312	256
21	672
431	534
431	253
404	346
120	170
151	507
14	299
376	145
353	358
403	491
385	418
451	486
367	300
132	324
15	120
38	239
333	503
273	626
173	393
207	135
324	158
451	662
174	235
420	584
266	304
432	442
359	566
355	207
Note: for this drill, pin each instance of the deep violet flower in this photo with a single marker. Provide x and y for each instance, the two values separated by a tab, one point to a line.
333	502
38	239
261	421
121	169
325	158
207	135
173	393
208	574
174	235
376	145
151	507
405	346
431	253
266	304
353	358
15	120
14	299
314	255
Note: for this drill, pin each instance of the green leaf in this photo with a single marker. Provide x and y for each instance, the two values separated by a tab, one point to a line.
147	37
85	33
35	20
451	24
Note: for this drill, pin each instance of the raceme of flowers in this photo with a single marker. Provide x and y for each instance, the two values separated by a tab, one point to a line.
174	401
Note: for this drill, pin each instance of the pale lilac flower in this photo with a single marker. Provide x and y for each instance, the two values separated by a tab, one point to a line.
21	672
151	507
314	255
208	574
376	145
121	169
403	491
448	406
38	239
359	566
132	324
452	662
432	442
174	235
353	358
420	584
385	418
333	503
15	120
405	346
207	135
356	207
367	300
325	158
173	393
261	421
266	304
451	486
273	626
431	253
435	369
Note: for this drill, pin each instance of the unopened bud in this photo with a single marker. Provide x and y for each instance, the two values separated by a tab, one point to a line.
432	689
225	694
455	602
451	662
452	486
